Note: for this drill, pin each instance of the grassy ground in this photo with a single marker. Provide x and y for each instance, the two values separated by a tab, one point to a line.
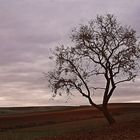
73	123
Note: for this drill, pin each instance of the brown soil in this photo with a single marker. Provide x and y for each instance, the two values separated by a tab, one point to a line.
126	128
119	131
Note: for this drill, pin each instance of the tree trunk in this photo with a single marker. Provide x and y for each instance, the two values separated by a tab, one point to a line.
108	116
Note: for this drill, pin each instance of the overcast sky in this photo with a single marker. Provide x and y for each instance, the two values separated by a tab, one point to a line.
30	28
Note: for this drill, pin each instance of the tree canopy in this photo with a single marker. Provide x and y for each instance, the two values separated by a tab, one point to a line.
102	48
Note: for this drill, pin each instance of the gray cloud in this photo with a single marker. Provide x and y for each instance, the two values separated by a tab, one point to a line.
30	28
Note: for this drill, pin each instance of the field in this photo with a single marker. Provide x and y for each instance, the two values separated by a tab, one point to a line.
69	123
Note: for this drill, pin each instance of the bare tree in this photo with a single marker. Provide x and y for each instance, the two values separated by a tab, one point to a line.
102	48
